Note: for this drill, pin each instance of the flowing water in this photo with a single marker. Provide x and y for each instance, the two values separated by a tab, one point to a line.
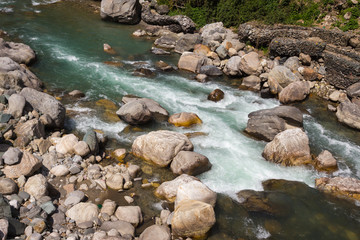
68	40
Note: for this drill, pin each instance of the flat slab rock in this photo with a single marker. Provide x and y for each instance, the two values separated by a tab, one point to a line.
340	186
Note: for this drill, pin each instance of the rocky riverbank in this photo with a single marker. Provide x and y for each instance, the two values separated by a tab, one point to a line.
52	181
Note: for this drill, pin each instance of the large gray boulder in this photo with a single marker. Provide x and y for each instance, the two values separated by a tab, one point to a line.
250	63
46	104
353	90
12	156
30	129
267	123
130	214
124	228
15	76
232	67
195	190
213	32
19	52
187	42
289	148
160	147
122	11
135	113
349	114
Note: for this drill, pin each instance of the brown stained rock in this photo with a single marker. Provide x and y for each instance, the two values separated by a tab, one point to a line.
250	63
201	49
344	187
325	161
216	95
27	166
289	148
184	119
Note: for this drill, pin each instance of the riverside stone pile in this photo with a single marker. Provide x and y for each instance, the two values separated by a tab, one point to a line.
49	180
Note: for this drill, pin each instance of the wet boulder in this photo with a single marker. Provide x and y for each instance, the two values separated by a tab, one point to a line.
168	190
122	11
135	113
19	52
190	163
267	123
46	104
216	95
289	148
192	219
192	62
184	119
254	201
344	187
349	114
160	147
27	166
157	111
325	161
296	91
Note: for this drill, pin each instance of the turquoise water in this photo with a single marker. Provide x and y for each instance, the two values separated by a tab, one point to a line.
68	40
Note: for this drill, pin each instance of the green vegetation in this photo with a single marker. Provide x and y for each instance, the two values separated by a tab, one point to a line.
235	12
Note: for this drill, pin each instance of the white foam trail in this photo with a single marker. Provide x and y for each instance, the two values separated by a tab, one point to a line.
43	2
6	10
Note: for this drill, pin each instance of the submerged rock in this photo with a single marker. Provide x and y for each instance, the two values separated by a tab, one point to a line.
122	11
160	147
289	148
184	119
